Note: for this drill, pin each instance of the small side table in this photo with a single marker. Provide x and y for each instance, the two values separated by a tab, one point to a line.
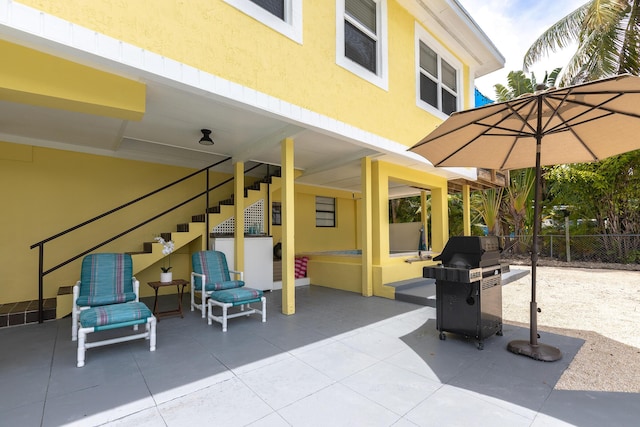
179	284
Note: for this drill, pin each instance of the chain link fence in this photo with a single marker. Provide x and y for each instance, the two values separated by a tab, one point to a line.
606	248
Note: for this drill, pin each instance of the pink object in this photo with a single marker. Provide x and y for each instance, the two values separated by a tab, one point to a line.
301	267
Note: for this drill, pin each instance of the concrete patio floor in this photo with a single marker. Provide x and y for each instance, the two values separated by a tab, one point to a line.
341	360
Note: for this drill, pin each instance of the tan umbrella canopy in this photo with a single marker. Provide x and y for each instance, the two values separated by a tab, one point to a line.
582	123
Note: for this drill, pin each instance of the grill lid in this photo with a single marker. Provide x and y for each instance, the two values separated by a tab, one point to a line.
470	251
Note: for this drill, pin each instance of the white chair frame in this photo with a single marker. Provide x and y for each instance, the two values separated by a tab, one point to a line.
225	314
83	345
76	309
204	295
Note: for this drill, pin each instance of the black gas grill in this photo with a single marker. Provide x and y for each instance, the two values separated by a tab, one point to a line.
469	287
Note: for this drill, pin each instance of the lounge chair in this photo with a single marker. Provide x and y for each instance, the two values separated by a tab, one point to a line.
107	297
211	279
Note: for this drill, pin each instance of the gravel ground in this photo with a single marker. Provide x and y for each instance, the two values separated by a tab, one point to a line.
598	305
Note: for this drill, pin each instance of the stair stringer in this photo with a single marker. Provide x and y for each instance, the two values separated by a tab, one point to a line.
227	212
142	261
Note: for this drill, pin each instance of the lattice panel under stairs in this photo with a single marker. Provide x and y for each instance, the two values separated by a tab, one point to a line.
253	218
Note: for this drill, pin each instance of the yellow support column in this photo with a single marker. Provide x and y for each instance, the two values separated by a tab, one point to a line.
366	231
439	218
466	209
380	213
238	206
288	228
424	217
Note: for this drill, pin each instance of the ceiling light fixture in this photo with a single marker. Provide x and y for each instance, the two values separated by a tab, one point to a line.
206	139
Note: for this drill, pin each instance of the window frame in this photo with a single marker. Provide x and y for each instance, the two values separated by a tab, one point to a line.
380	78
290	27
332	212
421	35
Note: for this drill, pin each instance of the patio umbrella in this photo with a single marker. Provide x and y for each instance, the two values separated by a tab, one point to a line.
582	123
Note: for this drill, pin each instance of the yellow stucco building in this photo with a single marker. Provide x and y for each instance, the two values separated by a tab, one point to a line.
103	102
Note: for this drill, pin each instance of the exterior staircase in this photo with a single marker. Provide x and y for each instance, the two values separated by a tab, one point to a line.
24	312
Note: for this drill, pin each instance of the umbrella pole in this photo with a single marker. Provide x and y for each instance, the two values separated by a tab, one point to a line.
535	250
532	348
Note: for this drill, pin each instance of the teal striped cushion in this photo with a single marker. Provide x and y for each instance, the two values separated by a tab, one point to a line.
94	300
106	278
212	264
237	296
114	314
218	286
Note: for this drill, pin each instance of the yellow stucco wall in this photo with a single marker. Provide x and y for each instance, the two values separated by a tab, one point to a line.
45	191
32	77
218	38
308	237
344	272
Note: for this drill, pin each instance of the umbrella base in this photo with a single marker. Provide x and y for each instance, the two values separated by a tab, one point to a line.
543	352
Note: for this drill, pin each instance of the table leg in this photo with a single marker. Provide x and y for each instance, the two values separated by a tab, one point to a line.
155	305
180	295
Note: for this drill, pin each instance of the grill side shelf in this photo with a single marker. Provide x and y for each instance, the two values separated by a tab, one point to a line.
452	274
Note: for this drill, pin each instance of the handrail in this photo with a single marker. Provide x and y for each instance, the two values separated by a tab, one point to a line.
135	227
95	218
40	244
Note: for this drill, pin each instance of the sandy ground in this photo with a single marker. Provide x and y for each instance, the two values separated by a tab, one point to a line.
600	306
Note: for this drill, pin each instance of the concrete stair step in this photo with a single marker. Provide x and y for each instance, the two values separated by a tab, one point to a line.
26	312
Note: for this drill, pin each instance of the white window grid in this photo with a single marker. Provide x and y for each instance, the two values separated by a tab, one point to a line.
380	78
253	217
422	35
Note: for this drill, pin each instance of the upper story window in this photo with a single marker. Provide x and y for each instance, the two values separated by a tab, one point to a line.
284	16
361	39
275	7
438	82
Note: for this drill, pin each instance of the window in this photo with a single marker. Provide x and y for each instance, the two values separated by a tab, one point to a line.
361	39
325	211
438	76
284	16
275	7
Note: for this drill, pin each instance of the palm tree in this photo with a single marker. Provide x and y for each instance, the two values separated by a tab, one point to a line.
607	33
519	84
487	206
518	203
512	205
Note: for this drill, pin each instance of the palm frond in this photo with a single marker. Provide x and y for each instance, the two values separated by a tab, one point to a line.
519	190
629	59
488	208
551	78
603	14
584	64
519	83
502	93
558	36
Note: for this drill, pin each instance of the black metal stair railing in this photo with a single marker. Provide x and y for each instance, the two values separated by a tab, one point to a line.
41	244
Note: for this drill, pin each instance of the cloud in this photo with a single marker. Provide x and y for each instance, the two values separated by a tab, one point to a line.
513	26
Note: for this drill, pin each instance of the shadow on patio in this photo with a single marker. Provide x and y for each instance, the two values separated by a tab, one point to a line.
342	359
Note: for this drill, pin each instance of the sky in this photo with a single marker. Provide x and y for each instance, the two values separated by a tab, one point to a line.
512	26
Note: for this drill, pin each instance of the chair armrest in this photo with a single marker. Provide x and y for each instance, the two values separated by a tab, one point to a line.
136	288
76	292
202	281
240	273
